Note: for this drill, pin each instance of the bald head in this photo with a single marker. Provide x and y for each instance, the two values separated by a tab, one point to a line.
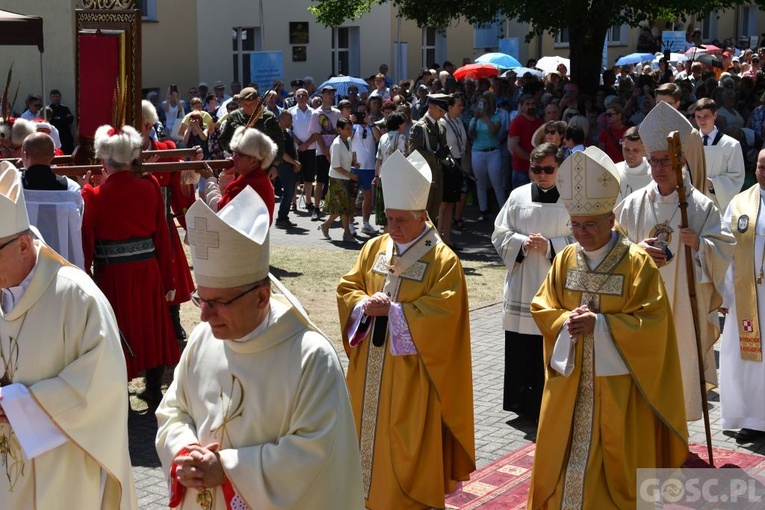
37	149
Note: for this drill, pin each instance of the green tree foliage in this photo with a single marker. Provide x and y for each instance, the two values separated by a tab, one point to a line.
588	21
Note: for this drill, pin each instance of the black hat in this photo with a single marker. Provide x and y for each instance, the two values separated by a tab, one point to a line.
297	83
440	100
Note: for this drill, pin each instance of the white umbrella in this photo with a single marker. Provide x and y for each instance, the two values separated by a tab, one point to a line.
550	64
520	71
673	57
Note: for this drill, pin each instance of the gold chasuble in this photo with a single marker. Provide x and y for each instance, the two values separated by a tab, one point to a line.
595	431
413	413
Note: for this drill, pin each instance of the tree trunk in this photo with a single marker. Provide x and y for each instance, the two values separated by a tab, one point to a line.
586	45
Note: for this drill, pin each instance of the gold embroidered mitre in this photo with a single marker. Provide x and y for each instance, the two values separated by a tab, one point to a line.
587	185
659	123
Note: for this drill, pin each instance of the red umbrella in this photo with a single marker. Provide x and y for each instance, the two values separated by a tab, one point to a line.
706	48
476	71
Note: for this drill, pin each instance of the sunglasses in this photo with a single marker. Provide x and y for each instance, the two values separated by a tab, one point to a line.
611	114
549	170
551	131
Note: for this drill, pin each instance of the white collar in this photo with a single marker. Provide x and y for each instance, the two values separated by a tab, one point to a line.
12	295
712	134
401	248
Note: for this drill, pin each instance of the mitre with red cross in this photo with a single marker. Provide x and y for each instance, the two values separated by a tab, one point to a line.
230	248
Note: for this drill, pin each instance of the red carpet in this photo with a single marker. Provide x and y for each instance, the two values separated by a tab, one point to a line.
504	484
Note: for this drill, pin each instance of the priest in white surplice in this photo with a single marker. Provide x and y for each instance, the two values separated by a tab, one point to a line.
258	415
723	154
530	229
651	218
63	412
742	370
634	172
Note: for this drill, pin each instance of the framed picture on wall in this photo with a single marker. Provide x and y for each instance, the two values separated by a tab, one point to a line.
299	54
298	32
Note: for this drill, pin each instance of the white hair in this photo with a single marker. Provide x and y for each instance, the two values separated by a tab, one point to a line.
118	147
148	112
251	142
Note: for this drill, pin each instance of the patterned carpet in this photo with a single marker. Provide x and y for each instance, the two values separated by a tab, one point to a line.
504	484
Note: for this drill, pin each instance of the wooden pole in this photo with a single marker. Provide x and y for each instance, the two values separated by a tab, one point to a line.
676	157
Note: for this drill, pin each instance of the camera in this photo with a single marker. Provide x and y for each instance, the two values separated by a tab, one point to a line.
360	116
173	88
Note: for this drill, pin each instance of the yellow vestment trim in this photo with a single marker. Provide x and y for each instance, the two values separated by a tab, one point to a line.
743	227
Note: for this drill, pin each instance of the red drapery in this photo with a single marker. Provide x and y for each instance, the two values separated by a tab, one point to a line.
99	69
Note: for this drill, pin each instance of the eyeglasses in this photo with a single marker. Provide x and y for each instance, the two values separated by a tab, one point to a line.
551	131
8	242
588	226
666	162
549	170
214	304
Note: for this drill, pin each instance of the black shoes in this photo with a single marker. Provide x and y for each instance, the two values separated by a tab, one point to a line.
749	435
284	223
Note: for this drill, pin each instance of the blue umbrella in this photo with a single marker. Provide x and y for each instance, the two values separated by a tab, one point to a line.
501	60
341	83
634	58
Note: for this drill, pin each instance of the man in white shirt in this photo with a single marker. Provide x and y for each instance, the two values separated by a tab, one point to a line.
723	153
301	131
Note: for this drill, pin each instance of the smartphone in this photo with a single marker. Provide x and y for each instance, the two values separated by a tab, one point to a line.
173	88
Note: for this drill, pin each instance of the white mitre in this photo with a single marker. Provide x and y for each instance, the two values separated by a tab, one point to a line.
587	187
230	248
406	182
659	123
13	208
604	159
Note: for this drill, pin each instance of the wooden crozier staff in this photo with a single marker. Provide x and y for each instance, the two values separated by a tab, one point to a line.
676	157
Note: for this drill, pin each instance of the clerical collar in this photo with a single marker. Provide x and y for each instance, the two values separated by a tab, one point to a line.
12	295
401	248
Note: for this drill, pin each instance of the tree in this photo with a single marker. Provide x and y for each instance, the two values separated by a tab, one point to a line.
588	21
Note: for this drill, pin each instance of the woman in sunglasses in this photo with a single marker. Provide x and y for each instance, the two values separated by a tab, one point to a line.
529	230
549	132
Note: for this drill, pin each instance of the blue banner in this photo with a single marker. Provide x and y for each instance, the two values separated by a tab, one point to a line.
265	67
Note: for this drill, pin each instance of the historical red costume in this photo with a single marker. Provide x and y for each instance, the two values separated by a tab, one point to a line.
125	237
181	197
257	180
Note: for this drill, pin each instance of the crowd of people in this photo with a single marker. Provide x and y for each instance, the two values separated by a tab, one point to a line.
584	192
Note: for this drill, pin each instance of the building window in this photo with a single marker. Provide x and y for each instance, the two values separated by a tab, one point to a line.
433	46
709	26
561	38
345	51
748	21
245	41
148	9
617	35
486	36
